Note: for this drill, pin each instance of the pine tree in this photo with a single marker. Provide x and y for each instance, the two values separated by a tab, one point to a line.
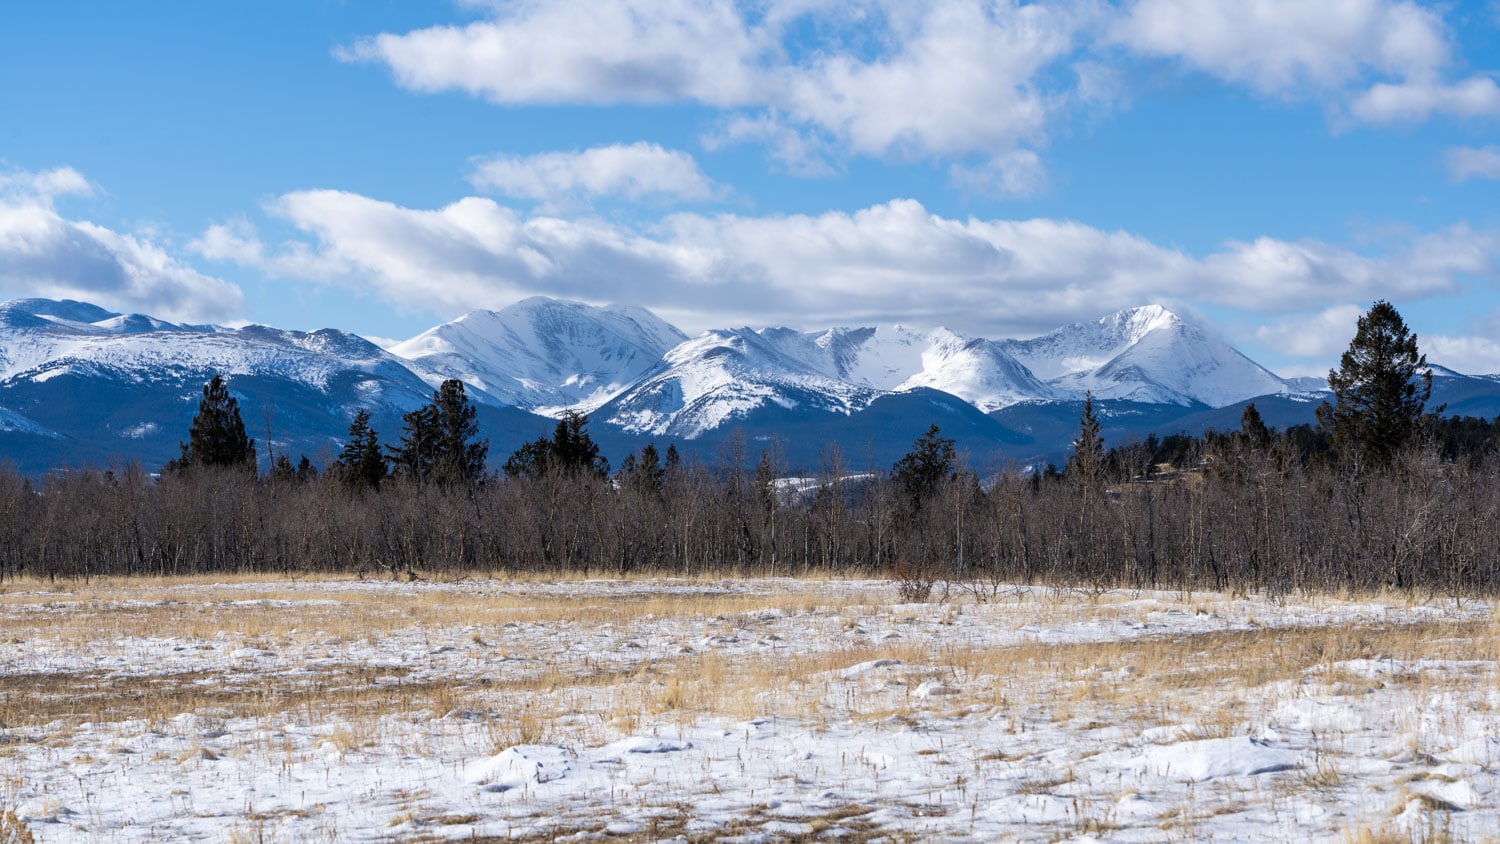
217	434
930	462
1253	429
414	457
460	454
361	463
1380	390
645	473
1087	462
570	450
438	442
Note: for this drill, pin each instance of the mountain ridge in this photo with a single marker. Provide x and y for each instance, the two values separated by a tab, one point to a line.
638	377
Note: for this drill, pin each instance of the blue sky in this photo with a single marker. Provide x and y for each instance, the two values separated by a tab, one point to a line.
1272	166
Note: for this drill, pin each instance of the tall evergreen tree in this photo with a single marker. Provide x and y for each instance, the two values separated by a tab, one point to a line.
1380	390
645	473
460	453
570	450
438	440
1253	429
1087	462
930	462
217	434
361	463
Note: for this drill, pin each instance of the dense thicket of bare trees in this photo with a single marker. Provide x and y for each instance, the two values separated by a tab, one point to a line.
1238	513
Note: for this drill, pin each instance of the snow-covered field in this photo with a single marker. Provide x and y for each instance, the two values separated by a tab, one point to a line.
738	710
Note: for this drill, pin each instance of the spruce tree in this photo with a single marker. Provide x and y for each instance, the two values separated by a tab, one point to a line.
930	462
361	463
570	451
1253	429
1087	462
217	434
645	473
1380	390
415	456
460	455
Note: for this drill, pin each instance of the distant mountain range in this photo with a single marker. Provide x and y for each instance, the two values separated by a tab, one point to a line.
83	386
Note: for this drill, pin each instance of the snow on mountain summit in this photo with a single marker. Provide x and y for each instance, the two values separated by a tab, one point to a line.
721	376
1145	354
541	352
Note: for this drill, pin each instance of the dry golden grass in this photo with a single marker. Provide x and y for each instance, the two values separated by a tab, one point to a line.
552	693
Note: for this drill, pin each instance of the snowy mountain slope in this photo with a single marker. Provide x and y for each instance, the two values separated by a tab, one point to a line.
79	383
1145	354
543	353
1086	346
720	376
981	372
41	339
896	359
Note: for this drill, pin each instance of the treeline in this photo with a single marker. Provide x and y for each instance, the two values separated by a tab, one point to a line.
1230	514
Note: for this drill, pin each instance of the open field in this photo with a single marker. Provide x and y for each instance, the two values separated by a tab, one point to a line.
756	710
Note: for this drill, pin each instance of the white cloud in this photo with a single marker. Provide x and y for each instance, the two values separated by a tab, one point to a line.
44	254
1416	101
235	241
1474	355
1016	173
584	51
886	78
637	171
966	81
1288	47
1381	60
890	262
1320	335
43	187
961	78
1466	163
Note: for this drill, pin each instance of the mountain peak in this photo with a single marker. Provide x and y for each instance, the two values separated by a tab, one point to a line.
544	352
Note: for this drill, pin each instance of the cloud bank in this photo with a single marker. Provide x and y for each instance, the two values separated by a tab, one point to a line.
42	253
891	262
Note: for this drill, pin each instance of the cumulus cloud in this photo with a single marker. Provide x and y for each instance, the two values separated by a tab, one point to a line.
45	254
1465	163
1288	47
45	186
891	79
1319	335
894	261
1381	60
1414	101
636	171
971	81
1474	355
582	51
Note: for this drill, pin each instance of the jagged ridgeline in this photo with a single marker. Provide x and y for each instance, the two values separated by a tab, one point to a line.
85	387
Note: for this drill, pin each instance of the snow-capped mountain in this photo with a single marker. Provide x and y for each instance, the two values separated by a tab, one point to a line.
1146	354
720	376
544	353
897	359
99	385
41	339
81	384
